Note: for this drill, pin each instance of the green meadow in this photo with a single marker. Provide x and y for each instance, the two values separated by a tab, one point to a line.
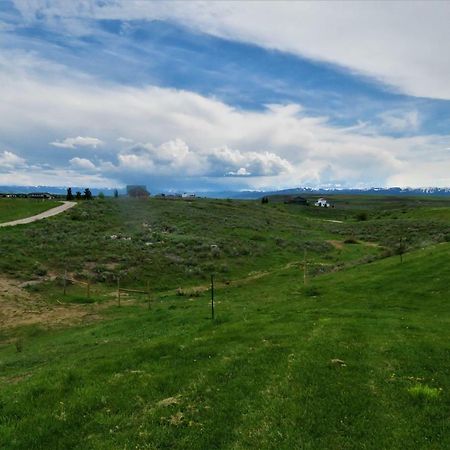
19	208
352	353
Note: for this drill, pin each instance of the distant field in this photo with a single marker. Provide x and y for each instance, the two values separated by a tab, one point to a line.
353	356
19	208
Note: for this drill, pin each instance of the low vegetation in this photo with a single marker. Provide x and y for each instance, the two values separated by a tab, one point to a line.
354	355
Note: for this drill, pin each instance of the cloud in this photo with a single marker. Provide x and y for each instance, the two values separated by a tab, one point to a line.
9	160
125	140
176	158
78	141
393	42
82	163
241	172
180	137
400	120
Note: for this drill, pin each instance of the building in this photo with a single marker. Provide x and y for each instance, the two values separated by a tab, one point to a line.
137	191
40	195
297	200
322	203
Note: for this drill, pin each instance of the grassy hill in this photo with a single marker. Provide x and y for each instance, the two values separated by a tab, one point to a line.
356	358
19	208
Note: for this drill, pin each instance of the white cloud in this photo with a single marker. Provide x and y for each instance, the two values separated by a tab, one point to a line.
399	43
176	158
401	120
125	140
82	163
9	160
241	172
78	141
183	134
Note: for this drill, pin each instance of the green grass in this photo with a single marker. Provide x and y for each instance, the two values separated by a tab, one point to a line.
19	208
357	359
171	243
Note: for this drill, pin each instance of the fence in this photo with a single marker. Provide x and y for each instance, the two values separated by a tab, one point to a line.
120	289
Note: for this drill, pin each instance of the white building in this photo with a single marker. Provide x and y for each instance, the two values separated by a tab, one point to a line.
322	203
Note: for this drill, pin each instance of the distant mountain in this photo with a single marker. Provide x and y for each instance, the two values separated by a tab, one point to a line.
248	195
429	191
58	190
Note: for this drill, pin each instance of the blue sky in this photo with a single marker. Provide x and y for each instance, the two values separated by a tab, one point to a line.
224	95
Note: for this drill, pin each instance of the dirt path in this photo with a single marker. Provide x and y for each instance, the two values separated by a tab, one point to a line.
50	212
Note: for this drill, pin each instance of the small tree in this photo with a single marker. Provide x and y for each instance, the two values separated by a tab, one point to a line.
116	193
69	195
87	194
78	195
101	195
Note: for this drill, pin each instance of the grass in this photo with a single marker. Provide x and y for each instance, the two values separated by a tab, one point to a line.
364	363
356	358
18	208
170	243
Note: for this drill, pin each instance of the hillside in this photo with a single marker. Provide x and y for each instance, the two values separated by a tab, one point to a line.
357	357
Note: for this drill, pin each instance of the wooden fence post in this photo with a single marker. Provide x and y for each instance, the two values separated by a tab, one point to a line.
65	281
212	297
304	267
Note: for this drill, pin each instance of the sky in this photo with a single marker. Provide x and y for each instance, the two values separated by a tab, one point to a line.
213	96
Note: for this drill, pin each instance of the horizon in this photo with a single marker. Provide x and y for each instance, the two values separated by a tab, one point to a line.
224	96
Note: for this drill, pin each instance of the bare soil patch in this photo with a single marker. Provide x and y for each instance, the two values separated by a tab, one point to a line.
18	307
336	244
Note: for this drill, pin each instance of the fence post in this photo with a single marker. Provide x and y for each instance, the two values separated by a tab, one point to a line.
65	281
118	292
212	297
304	267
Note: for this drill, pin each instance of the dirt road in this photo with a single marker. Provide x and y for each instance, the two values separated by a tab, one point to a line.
50	212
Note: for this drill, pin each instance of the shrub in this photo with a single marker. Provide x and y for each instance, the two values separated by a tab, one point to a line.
361	216
190	292
312	291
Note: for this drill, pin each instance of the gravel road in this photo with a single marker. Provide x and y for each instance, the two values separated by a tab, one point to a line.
50	212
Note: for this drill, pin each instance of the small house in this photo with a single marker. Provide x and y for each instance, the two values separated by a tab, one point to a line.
322	203
297	200
137	191
40	195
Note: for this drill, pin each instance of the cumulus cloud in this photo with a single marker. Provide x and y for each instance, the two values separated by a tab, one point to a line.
241	172
82	163
176	158
182	134
394	42
78	141
9	160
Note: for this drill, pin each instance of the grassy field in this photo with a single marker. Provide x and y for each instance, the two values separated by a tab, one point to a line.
359	357
19	208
